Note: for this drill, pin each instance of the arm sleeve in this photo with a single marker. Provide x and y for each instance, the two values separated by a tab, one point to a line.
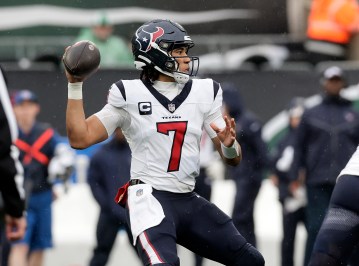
113	117
11	171
114	114
11	183
215	115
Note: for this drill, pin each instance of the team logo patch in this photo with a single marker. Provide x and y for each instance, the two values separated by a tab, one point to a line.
145	38
139	192
145	108
171	107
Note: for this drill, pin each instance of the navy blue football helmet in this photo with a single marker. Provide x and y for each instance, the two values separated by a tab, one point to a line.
152	45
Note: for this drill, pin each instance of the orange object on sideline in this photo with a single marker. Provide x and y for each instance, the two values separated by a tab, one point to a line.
333	20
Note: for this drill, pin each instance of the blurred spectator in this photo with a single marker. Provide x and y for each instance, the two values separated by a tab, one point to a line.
37	143
115	51
325	140
293	201
249	174
12	196
331	24
109	170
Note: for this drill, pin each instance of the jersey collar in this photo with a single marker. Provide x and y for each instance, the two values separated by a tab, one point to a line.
173	105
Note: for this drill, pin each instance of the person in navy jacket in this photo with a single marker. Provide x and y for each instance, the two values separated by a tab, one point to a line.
326	138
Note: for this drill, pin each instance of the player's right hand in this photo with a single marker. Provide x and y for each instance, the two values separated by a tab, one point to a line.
71	78
15	227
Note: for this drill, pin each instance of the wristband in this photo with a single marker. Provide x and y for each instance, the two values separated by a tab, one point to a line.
230	152
74	91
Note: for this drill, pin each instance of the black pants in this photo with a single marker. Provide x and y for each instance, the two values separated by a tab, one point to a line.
198	225
5	245
243	210
204	189
290	223
339	234
318	202
106	232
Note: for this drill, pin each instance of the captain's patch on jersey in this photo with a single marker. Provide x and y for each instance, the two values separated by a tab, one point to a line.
145	108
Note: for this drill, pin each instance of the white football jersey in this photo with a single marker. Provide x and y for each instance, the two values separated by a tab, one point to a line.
164	136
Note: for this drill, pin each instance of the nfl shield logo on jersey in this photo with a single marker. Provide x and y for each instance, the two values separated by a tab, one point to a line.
139	192
171	107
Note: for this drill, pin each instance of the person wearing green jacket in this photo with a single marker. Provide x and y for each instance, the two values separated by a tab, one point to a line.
114	50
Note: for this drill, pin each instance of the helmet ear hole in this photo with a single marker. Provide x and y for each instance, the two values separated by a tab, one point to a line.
170	65
164	45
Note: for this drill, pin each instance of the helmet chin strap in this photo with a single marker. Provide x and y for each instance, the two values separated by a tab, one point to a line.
180	78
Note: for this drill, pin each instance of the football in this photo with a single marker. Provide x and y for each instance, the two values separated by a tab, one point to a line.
82	59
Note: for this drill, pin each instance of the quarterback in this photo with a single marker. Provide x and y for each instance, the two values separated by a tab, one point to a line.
162	115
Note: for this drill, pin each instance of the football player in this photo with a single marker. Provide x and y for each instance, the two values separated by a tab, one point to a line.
162	115
338	237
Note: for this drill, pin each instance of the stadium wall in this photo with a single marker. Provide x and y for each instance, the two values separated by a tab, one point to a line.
266	93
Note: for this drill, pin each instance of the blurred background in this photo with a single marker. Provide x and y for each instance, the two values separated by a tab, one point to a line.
257	45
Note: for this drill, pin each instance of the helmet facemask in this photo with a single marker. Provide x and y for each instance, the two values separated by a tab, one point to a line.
171	65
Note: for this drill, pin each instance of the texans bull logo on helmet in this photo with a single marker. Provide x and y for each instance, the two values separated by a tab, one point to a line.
145	38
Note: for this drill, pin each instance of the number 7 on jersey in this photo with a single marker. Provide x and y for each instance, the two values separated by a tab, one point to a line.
179	128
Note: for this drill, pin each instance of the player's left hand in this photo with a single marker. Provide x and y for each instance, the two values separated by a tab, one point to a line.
226	135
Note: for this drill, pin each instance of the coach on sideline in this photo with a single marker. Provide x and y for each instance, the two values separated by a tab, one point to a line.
11	172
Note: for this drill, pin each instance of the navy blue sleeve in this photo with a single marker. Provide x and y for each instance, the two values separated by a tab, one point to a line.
215	89
11	192
120	86
300	147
